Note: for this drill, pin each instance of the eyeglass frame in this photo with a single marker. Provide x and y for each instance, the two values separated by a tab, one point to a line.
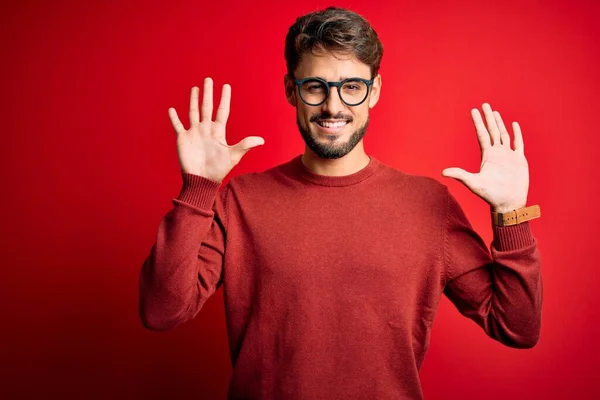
337	84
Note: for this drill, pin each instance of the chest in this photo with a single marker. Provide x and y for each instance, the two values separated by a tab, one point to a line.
313	244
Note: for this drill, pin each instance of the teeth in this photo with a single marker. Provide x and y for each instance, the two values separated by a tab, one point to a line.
332	124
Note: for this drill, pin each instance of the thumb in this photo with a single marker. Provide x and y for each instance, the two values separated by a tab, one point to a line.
458	173
244	145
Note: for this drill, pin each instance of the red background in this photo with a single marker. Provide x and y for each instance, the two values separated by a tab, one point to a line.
89	167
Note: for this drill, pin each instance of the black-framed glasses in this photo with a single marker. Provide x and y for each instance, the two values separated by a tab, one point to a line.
352	91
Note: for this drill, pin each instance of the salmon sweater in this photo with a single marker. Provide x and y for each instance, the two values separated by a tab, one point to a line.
331	283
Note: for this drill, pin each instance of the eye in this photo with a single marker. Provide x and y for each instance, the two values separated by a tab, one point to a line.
353	86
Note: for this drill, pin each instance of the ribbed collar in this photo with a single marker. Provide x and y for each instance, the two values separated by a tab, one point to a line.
303	172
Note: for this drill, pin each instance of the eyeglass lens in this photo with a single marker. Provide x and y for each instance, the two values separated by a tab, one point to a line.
351	92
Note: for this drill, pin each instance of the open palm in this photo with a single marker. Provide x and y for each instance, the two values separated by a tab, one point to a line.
503	179
202	149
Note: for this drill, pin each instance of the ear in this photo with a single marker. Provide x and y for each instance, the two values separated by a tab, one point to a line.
290	90
375	91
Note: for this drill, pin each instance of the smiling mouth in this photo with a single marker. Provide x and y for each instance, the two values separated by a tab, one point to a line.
331	124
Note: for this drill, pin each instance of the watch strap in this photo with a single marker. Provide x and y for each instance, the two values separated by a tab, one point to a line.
516	216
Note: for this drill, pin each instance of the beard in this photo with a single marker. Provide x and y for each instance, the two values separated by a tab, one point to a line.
331	150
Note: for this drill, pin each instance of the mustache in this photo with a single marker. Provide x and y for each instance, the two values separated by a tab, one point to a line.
319	117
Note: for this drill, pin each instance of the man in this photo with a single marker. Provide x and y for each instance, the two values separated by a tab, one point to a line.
333	264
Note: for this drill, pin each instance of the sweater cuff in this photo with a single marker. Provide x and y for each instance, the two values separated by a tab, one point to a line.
512	237
198	191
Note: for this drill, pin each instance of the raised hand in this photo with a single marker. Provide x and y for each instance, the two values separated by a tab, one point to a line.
503	179
203	148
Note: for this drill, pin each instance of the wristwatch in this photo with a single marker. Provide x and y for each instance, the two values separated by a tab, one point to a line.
516	216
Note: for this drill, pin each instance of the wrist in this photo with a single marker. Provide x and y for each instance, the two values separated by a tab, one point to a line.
515	216
506	209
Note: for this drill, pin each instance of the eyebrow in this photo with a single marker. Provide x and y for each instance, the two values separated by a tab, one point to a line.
341	78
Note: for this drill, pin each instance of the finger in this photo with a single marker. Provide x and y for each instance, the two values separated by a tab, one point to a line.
482	134
177	125
459	174
207	100
244	145
194	115
492	127
249	142
519	145
504	136
223	110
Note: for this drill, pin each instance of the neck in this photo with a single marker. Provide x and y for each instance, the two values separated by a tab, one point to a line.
351	163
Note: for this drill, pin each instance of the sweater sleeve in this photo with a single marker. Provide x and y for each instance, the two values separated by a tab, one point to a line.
502	291
184	267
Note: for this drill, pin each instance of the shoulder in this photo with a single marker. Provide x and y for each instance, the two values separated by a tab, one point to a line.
420	194
420	186
261	181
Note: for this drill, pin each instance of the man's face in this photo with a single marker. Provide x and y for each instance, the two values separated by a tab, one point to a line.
346	125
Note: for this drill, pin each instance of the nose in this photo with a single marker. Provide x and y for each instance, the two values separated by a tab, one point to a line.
333	104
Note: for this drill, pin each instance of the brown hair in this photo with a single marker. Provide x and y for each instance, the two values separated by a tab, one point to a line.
334	30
